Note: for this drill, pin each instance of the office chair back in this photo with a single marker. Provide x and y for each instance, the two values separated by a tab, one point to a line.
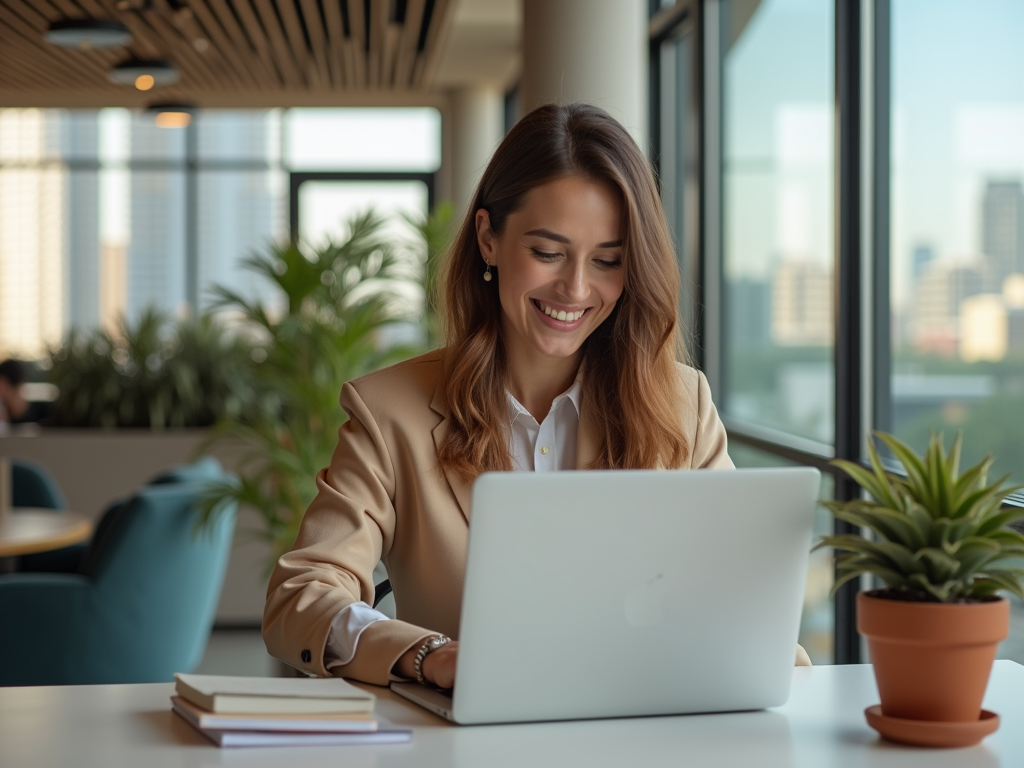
140	607
33	486
204	468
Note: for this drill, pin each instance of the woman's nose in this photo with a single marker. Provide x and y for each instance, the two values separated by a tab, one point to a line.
574	281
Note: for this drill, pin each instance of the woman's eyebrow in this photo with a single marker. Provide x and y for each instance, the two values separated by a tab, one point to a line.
549	235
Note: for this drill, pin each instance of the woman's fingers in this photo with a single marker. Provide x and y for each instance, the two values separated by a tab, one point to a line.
802	659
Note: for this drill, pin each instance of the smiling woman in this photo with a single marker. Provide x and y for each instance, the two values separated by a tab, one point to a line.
559	264
562	352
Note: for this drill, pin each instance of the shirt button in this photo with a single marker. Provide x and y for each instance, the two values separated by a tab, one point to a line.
544	450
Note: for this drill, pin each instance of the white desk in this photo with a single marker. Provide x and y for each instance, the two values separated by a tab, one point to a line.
131	726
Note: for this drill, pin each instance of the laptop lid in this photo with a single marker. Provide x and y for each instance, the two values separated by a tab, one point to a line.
620	593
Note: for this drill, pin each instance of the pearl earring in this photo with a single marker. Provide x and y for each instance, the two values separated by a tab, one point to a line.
487	273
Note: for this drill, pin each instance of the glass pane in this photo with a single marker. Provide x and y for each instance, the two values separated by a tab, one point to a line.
29	136
324	206
817	624
83	248
32	278
151	142
156	249
678	168
405	139
778	215
239	213
79	133
957	239
239	135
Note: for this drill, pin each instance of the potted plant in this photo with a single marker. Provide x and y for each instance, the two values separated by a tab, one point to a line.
942	544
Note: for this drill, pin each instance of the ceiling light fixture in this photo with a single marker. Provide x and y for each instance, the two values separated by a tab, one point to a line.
172	115
135	71
88	34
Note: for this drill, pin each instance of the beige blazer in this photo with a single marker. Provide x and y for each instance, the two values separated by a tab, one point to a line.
383	497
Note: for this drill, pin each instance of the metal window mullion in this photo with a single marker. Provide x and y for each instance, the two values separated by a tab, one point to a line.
710	306
881	338
847	293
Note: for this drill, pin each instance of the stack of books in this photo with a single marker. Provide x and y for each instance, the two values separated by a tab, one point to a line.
274	711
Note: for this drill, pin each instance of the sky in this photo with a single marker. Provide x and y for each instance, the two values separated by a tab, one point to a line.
957	120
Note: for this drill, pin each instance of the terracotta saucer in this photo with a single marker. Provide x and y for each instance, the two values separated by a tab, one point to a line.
930	733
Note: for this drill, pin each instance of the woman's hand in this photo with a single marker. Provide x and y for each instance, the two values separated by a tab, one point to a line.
438	666
802	659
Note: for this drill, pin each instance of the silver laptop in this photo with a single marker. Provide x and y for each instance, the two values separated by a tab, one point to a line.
624	593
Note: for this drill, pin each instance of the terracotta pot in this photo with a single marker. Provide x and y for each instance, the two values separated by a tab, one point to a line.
932	660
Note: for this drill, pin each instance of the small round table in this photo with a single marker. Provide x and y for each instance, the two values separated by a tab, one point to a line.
27	530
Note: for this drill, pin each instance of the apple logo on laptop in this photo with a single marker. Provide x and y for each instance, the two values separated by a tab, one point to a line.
645	605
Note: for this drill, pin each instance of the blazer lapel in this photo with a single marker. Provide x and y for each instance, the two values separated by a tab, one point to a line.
460	487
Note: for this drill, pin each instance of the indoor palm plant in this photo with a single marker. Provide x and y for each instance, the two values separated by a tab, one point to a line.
327	321
940	539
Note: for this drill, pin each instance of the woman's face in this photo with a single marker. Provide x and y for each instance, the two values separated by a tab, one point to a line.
559	266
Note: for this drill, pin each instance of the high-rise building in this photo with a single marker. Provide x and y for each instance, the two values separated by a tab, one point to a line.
922	256
750	313
32	234
238	212
935	320
1002	228
157	232
79	141
801	304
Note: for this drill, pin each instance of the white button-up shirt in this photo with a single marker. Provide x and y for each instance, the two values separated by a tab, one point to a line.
549	446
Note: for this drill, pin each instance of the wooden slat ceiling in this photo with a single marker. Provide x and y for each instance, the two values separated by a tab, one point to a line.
230	52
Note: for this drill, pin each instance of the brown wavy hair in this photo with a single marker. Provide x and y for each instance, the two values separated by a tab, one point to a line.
630	385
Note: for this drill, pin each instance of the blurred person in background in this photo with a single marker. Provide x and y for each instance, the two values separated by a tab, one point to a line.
15	408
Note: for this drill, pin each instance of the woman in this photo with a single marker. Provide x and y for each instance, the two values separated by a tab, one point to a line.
562	342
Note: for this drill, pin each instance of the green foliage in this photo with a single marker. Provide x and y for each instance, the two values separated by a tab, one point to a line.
153	374
335	302
940	535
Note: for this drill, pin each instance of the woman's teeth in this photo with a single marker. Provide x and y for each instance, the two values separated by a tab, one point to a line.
561	314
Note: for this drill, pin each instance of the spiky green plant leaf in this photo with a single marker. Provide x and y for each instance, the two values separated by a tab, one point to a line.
939	534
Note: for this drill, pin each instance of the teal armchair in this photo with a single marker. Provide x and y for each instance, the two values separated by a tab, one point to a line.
139	606
33	486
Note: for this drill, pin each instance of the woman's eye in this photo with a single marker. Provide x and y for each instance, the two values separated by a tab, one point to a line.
609	263
543	254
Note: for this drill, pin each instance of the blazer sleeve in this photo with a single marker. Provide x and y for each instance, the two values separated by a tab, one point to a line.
710	449
343	534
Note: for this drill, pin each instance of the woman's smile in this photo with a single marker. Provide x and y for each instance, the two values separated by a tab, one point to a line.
559	268
561	318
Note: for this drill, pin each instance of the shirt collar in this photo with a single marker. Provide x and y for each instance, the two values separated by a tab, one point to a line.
573	394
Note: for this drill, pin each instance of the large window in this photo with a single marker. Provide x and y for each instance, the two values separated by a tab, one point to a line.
777	238
860	233
957	244
104	214
957	237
